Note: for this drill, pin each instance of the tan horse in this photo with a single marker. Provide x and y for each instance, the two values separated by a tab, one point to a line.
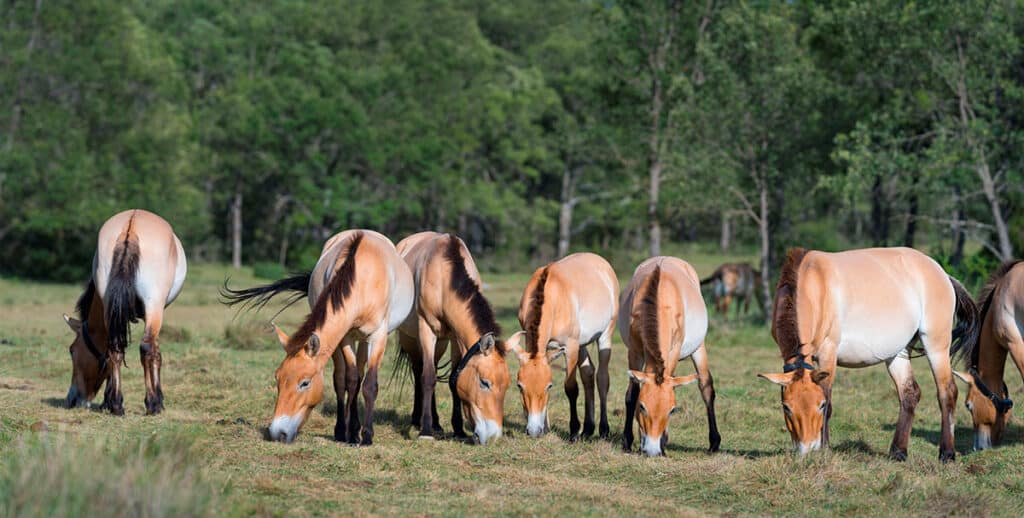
138	270
860	308
451	308
1002	317
738	280
662	319
566	305
360	290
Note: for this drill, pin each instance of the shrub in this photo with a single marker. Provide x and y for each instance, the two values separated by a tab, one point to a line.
272	271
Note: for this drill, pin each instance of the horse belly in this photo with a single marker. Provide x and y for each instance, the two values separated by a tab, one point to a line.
593	324
696	330
869	346
403	295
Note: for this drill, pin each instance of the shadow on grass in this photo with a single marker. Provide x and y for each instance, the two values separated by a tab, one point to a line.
55	402
963	437
857	446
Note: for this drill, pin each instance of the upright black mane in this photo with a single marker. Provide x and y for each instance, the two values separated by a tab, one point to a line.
469	291
84	304
785	329
334	294
649	325
534	314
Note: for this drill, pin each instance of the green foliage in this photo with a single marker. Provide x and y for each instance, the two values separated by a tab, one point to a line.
267	270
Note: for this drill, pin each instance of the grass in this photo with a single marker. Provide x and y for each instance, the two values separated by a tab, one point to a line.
206	455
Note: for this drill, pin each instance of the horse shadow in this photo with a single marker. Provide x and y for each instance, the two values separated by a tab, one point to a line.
963	436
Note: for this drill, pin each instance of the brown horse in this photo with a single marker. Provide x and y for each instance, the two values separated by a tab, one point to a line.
1002	317
138	270
451	308
360	290
860	308
566	305
739	280
662	319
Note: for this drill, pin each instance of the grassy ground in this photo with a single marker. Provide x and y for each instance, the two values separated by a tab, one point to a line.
206	453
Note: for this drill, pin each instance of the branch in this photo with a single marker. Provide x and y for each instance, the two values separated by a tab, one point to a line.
749	209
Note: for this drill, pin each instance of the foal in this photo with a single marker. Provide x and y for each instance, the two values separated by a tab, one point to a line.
138	270
1002	317
859	308
662	319
360	290
451	308
566	305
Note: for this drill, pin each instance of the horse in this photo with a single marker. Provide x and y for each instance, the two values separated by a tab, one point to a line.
138	269
1002	317
566	305
359	290
450	307
662	319
859	308
730	280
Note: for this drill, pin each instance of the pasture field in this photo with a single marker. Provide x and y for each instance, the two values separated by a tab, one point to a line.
205	455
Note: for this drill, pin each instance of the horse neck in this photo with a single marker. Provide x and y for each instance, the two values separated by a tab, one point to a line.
991	356
335	327
462	324
97	323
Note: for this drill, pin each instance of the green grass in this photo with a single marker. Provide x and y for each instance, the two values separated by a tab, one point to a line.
206	453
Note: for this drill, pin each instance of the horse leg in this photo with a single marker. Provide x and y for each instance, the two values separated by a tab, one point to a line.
409	345
707	392
149	355
428	379
375	354
587	374
458	429
604	354
636	362
352	368
572	388
340	373
909	393
936	347
726	301
113	399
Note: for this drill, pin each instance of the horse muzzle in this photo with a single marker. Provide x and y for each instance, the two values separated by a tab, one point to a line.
485	431
285	428
537	424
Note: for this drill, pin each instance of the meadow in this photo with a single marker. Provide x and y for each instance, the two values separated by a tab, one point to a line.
206	454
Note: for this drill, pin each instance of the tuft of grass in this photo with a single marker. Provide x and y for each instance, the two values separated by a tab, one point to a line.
246	335
56	476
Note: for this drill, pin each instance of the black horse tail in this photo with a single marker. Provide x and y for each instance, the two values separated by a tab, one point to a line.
259	296
712	278
968	327
120	300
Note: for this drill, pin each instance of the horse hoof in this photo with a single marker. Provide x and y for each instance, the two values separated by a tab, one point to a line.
898	456
425	437
947	456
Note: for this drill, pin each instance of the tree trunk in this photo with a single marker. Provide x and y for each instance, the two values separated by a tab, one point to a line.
911	230
989	188
654	171
726	239
879	214
565	213
236	230
766	247
959	236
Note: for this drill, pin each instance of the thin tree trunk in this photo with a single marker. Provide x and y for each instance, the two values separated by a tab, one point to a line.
912	208
766	247
879	214
654	171
565	212
959	236
989	188
236	230
726	239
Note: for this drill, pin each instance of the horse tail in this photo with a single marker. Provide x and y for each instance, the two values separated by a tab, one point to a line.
713	277
785	329
259	296
120	300
968	326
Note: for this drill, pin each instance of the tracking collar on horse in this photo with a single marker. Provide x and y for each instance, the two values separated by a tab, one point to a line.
453	378
798	364
1002	404
89	344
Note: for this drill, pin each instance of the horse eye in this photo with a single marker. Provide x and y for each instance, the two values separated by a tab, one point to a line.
821	407
304	384
486	385
786	409
520	385
549	386
672	410
643	409
969	405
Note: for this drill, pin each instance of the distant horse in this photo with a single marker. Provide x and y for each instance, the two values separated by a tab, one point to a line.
138	269
662	319
566	305
860	308
360	290
739	280
451	308
1002	317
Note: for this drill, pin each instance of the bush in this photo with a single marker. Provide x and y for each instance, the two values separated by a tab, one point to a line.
272	271
60	476
248	335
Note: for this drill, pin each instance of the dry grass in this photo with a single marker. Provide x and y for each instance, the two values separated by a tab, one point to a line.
221	397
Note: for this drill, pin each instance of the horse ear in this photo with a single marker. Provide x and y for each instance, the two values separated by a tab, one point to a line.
281	337
486	344
639	377
73	323
819	376
964	377
779	378
512	344
679	381
313	346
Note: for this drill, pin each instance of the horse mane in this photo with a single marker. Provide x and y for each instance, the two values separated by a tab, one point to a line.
468	291
534	314
84	304
985	296
649	325
335	293
785	329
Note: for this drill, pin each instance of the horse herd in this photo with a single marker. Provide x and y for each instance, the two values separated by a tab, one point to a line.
851	309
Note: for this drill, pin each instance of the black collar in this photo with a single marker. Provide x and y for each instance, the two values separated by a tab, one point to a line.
89	344
1002	404
800	364
453	378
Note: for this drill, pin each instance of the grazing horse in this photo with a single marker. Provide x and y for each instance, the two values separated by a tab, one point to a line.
730	280
566	305
1002	317
360	290
451	308
662	319
138	270
860	308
